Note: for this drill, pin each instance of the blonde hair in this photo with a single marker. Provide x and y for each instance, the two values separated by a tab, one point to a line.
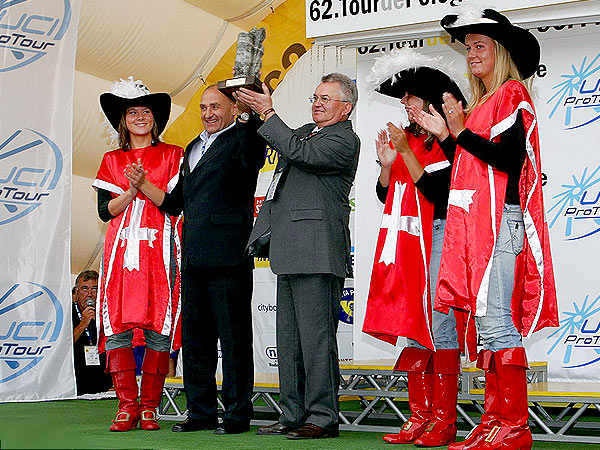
505	69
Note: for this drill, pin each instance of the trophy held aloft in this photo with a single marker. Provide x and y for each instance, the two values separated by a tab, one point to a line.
248	61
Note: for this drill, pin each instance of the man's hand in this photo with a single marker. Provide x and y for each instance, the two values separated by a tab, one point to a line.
87	315
261	103
241	106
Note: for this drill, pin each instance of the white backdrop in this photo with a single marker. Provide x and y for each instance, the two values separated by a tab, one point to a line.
567	99
37	56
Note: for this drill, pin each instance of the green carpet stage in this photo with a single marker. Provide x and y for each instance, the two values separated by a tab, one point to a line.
83	424
374	398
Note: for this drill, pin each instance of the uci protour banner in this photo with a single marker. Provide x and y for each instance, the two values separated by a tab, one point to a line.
37	58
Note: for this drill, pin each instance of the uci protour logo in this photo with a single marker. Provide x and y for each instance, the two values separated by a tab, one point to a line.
30	29
577	206
25	343
577	98
30	168
579	334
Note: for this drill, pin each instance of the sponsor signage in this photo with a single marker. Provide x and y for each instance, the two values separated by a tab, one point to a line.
29	33
577	340
271	159
26	336
37	57
347	306
271	354
31	165
576	208
329	17
258	202
576	98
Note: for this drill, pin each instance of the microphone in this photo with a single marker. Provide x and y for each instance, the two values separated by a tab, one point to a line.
90	302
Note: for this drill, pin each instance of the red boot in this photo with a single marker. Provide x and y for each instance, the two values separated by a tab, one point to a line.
442	430
154	370
121	365
485	361
417	362
512	432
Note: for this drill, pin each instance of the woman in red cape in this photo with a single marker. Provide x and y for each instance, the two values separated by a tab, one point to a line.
414	183
139	288
496	260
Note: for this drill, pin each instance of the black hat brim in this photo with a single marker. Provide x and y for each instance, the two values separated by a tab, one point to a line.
114	106
424	82
523	47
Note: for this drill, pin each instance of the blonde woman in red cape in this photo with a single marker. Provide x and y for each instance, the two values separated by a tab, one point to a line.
497	264
414	183
140	282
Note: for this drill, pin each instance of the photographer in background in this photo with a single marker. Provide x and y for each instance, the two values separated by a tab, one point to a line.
89	365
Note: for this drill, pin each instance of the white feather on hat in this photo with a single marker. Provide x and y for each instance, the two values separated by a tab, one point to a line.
389	65
129	88
471	12
110	132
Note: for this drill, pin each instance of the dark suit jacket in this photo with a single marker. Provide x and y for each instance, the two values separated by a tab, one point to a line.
309	215
217	197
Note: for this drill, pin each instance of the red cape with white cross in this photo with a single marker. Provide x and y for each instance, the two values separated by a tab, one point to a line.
140	278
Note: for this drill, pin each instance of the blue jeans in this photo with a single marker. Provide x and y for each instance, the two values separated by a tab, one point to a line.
496	328
443	325
154	340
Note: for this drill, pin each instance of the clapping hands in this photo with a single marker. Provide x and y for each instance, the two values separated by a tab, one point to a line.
136	174
432	122
386	155
455	115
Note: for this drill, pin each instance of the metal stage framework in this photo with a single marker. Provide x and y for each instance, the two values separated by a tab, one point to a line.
558	412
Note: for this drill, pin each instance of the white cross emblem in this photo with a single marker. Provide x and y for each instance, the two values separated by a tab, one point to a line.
394	222
133	234
461	198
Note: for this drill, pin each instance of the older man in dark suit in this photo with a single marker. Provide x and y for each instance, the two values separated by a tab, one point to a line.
306	213
216	193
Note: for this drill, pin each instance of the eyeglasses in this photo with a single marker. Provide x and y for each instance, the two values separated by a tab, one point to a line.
324	99
87	289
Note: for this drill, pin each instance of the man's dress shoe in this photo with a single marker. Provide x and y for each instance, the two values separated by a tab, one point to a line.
312	431
232	428
190	424
274	429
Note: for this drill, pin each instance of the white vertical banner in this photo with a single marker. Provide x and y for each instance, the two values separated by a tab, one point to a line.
568	109
37	59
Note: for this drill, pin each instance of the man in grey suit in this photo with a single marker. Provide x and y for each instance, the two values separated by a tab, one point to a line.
306	211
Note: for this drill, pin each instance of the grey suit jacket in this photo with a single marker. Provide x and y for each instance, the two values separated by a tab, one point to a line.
309	215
